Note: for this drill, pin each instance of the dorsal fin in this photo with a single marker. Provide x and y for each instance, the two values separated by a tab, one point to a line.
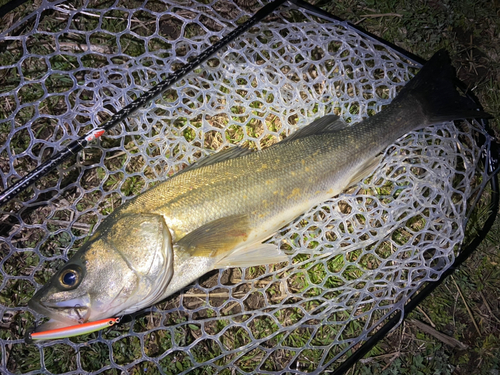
325	124
228	153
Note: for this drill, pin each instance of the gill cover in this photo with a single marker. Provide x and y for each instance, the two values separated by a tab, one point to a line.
145	243
125	266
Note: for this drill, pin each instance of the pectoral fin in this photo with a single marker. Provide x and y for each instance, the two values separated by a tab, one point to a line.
223	240
216	238
264	253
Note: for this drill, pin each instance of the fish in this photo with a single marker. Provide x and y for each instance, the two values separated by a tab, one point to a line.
218	212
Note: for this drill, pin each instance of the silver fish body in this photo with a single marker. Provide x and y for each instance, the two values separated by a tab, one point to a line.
218	212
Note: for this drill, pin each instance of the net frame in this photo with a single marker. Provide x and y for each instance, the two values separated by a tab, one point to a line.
162	313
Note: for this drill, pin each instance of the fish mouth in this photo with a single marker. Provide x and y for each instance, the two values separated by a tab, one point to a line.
64	313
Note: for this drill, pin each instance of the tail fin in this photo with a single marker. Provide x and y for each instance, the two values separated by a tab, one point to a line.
434	88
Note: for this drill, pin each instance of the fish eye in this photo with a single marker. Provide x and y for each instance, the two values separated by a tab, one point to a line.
70	277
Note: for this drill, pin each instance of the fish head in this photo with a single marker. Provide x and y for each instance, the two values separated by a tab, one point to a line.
125	266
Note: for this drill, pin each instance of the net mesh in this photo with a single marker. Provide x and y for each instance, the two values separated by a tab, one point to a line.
354	260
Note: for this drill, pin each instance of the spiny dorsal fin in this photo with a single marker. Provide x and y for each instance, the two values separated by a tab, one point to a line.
228	153
217	237
325	124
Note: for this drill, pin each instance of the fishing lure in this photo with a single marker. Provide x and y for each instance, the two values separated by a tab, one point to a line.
71	331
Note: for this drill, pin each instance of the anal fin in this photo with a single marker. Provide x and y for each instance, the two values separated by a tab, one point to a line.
366	170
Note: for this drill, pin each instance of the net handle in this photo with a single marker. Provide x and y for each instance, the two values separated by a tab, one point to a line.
79	144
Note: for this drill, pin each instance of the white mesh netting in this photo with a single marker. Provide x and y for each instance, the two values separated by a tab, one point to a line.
354	260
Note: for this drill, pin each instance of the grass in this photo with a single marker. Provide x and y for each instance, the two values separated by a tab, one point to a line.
465	307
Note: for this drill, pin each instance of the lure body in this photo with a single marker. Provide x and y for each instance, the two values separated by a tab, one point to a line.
71	331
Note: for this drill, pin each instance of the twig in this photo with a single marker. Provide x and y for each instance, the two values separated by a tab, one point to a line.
466	305
455	304
121	153
203	295
426	316
488	306
391	356
257	283
394	356
228	308
81	226
378	15
448	340
67	9
83	47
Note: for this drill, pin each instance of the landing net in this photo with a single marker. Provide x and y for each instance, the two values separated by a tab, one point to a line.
354	260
